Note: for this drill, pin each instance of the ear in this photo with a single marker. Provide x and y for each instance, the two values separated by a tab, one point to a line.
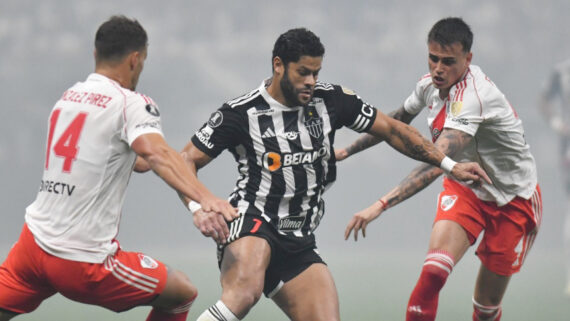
133	59
278	66
469	57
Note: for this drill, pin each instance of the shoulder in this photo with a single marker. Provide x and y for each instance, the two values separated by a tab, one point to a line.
424	85
245	100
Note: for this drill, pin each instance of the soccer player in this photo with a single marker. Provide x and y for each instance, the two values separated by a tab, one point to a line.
67	245
555	106
281	135
470	120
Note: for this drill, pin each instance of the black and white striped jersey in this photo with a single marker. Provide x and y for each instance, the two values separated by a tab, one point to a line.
285	154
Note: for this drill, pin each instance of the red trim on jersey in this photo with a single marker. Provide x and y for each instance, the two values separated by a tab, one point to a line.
437	123
124	102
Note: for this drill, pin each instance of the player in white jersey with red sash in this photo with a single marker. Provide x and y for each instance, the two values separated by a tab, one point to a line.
470	120
555	106
96	131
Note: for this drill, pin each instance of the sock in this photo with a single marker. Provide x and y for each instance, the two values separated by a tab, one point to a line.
217	312
423	301
486	312
179	313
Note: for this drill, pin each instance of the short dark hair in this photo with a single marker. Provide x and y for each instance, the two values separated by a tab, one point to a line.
450	30
118	37
294	43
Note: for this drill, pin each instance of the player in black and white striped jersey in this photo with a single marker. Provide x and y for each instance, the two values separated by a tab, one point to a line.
281	135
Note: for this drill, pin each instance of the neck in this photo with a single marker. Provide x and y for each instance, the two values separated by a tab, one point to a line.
116	73
274	90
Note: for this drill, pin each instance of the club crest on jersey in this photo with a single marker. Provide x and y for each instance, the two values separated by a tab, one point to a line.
216	119
152	109
447	202
314	124
147	262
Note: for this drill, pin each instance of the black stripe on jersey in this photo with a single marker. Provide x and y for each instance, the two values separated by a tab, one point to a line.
277	187
300	175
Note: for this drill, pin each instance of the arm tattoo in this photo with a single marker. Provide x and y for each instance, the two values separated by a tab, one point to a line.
418	179
363	143
368	140
451	142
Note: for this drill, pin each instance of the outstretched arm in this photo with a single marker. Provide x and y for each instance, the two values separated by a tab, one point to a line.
169	165
367	140
210	223
451	142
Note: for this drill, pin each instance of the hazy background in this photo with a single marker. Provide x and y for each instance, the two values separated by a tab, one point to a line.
203	53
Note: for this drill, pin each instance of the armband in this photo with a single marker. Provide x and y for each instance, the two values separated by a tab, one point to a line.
447	164
194	206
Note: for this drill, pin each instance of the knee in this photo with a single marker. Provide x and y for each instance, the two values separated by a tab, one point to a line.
248	288
184	290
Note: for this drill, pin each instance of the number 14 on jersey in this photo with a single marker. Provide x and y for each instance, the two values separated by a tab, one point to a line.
66	144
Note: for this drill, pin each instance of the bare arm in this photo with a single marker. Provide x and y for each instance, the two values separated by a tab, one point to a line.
169	165
367	140
141	166
209	223
451	142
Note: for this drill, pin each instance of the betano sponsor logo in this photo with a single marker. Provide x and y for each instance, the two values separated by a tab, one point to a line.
274	161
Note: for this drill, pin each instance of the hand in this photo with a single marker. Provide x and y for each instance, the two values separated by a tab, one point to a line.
361	219
470	173
212	224
214	204
340	154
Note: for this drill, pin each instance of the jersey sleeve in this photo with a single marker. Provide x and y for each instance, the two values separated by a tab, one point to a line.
354	113
141	116
415	102
465	115
221	131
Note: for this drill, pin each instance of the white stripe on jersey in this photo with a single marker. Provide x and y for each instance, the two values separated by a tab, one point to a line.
244	98
288	175
324	86
265	184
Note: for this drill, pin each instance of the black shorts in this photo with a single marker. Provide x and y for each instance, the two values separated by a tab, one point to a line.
290	255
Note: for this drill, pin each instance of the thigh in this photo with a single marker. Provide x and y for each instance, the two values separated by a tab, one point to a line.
22	285
122	282
451	237
243	268
311	295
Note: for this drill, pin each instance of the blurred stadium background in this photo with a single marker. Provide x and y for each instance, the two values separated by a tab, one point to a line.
203	53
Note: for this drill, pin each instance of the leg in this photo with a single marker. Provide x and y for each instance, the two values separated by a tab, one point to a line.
489	291
311	295
175	300
448	243
242	276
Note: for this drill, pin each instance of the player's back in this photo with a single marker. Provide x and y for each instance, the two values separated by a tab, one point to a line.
87	167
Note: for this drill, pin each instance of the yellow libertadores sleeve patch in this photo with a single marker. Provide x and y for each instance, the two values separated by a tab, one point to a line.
456	107
348	91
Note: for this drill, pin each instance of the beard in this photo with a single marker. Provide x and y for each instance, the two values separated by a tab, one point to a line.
290	93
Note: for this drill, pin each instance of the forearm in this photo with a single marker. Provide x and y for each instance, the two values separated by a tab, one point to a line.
408	141
170	166
416	181
363	142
